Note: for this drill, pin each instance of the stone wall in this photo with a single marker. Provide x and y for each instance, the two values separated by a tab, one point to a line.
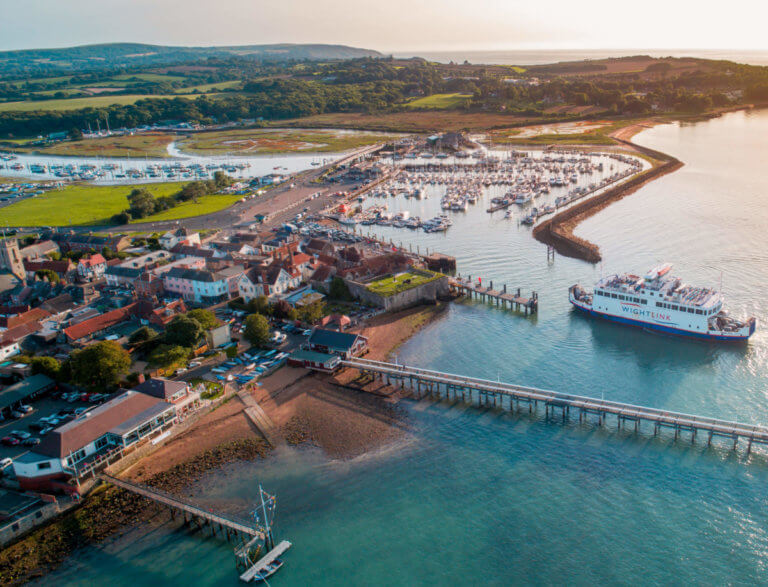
421	294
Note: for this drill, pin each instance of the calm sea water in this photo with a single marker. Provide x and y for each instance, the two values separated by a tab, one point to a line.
473	496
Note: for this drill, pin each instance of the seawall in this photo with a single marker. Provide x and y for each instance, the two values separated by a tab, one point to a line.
558	230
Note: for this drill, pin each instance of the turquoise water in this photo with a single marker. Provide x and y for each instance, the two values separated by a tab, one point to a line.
474	496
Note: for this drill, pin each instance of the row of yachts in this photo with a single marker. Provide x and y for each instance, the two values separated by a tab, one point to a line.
90	171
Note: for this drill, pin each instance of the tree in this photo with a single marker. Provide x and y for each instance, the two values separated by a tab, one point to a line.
312	312
165	355
339	290
283	310
260	305
221	179
142	335
141	203
46	366
75	133
48	274
99	365
205	318
257	329
183	331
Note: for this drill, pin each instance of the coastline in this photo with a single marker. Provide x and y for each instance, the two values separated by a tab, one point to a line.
343	419
558	231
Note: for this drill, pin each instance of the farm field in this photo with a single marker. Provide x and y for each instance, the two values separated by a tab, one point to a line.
77	103
440	101
265	141
211	87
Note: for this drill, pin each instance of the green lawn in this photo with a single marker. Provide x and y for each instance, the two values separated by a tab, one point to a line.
77	204
77	103
440	101
205	205
394	284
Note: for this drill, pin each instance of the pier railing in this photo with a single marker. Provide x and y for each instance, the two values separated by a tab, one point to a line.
426	382
228	522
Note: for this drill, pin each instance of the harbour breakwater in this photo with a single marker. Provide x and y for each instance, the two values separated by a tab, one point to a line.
558	231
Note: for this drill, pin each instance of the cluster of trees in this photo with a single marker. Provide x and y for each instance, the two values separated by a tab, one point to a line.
98	366
181	336
290	90
141	202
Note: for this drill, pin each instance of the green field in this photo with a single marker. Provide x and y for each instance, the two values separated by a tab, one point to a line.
149	77
211	87
77	103
440	101
388	286
80	204
205	205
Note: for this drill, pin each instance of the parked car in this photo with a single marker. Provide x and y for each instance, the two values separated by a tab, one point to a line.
20	434
6	462
79	411
10	440
26	409
32	441
45	430
194	364
16	414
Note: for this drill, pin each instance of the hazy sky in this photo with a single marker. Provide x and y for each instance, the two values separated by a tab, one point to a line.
390	25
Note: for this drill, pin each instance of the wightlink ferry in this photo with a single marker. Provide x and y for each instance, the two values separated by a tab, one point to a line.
660	302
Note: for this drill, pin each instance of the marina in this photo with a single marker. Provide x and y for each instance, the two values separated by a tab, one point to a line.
496	179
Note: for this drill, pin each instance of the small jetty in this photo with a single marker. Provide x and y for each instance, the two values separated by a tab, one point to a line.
425	383
516	301
261	566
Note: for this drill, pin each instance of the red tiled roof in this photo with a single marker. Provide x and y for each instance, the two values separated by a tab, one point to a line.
93	260
99	323
33	315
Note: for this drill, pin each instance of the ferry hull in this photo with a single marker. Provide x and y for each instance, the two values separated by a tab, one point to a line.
659	327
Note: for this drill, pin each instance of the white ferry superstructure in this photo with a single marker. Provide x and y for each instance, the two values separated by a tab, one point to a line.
660	302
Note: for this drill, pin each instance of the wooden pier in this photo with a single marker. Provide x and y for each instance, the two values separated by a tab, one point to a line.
229	526
426	383
501	297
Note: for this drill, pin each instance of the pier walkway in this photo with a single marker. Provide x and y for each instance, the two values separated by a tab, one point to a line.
501	297
230	525
482	392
